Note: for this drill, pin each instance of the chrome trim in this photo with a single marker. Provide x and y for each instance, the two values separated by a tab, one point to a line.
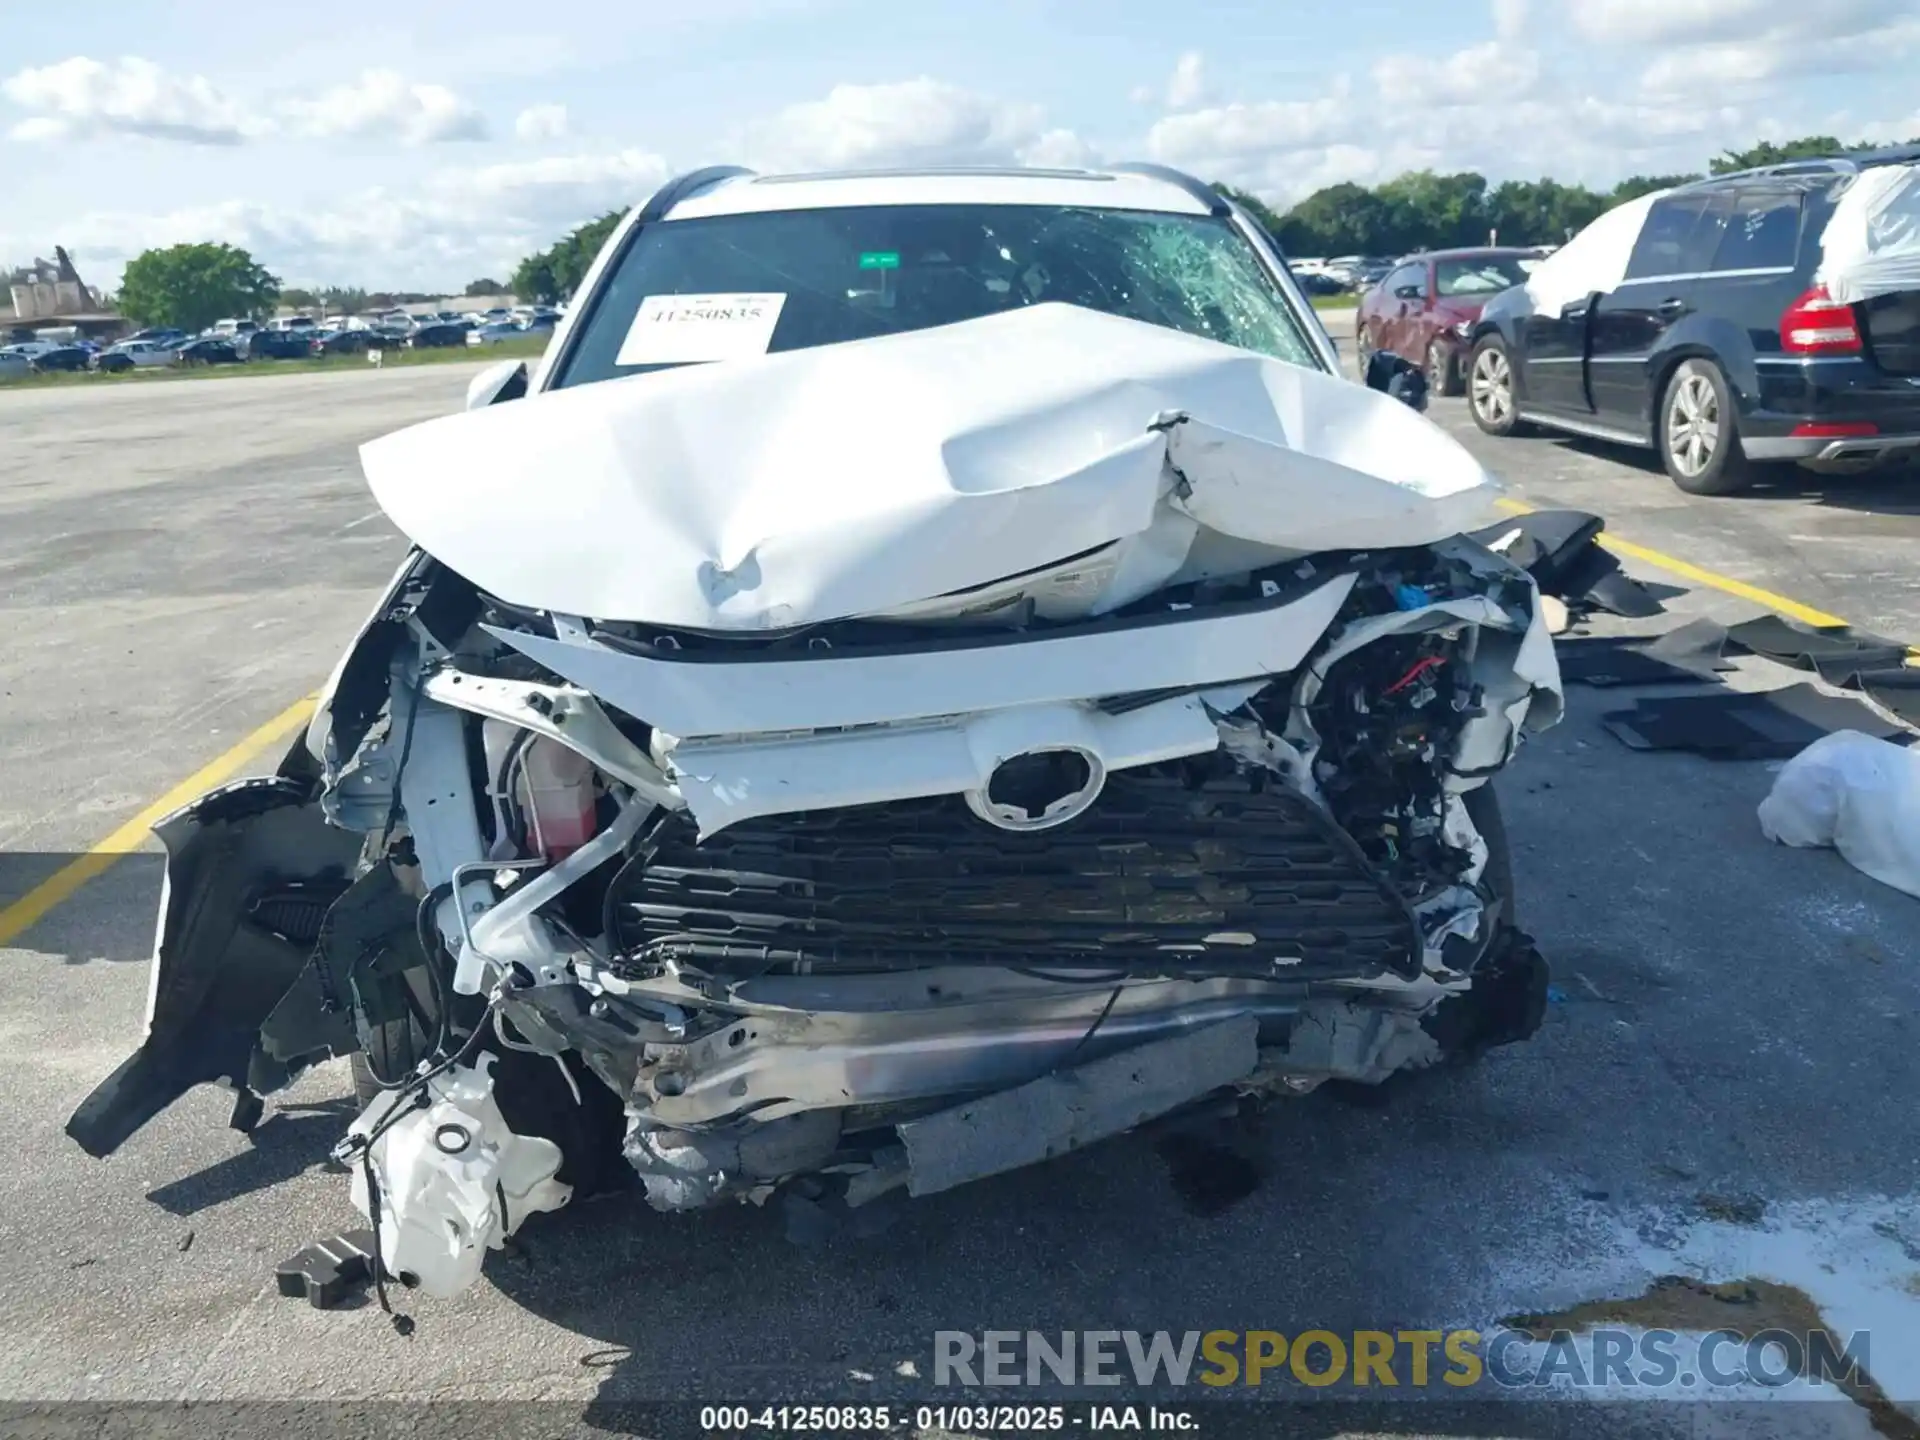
1868	444
1587	427
1703	275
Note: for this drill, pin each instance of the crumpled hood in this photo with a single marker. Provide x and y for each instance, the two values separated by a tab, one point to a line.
855	479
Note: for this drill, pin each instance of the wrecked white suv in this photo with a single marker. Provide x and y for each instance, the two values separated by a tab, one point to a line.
932	670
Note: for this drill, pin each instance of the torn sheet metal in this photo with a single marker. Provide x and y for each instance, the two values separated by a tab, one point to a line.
1871	245
853	479
703	697
1594	260
731	780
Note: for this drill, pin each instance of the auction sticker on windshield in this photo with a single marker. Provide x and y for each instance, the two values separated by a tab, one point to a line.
681	329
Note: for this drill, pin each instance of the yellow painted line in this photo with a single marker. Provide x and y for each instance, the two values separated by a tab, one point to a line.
1805	614
26	912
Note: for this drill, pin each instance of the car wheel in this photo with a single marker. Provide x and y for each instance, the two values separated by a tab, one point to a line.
1490	394
1699	432
1362	351
1443	369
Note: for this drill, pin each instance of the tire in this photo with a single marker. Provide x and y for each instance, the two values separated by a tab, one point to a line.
1490	395
1443	370
1362	351
1698	431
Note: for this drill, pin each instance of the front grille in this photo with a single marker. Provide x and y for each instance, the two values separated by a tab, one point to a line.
1164	874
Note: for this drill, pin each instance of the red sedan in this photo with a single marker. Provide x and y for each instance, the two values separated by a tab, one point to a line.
1427	303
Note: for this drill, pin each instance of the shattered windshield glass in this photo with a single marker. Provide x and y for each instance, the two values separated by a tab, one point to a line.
793	279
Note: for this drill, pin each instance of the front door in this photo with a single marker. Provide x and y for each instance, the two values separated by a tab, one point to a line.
1670	262
1553	351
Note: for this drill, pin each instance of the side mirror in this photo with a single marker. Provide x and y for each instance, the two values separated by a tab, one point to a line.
504	381
1409	292
1397	376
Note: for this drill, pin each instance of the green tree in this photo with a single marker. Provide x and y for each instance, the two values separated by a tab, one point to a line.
299	299
191	286
1634	186
555	273
1807	147
1254	206
482	287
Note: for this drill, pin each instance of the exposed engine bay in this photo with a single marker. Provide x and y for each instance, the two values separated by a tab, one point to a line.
767	871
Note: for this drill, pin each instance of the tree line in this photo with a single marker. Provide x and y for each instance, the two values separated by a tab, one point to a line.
1423	210
191	286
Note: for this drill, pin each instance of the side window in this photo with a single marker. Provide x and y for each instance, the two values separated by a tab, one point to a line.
1762	233
1415	275
1666	245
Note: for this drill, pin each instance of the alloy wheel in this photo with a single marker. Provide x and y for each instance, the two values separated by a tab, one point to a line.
1492	386
1693	424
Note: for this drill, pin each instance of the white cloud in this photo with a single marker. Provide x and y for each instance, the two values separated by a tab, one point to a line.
910	122
383	103
1509	19
1465	77
1639	22
84	98
1188	85
464	220
541	122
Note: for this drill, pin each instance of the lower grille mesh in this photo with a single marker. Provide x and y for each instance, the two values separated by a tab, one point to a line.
1163	874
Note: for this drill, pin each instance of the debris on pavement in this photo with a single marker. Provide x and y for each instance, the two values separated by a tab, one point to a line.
1694	652
1772	725
1561	550
1859	795
327	1271
1882	669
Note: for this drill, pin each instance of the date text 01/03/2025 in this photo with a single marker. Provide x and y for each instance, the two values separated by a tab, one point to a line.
992	1419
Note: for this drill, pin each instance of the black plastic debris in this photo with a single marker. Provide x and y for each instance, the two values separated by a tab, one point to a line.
1691	653
1561	550
1842	656
1897	691
327	1271
1838	654
1732	725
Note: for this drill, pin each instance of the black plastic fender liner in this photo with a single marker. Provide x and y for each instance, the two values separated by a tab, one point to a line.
251	869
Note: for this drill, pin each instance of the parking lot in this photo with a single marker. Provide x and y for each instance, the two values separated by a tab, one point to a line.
1721	1088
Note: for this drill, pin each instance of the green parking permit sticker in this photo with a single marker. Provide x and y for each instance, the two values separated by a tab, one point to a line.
880	260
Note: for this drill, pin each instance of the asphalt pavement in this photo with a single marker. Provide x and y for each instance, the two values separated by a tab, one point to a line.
1722	1087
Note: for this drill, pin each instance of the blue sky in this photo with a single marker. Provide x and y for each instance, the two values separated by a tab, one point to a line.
422	143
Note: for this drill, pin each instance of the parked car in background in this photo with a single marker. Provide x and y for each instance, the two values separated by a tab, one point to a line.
437	336
494	334
233	329
64	357
1761	316
207	350
14	365
1425	308
273	345
157	334
339	342
133	355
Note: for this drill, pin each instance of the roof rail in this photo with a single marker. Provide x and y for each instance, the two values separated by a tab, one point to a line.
1179	179
1784	170
682	187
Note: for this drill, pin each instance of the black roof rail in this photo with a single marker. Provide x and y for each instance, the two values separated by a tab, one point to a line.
682	187
1198	189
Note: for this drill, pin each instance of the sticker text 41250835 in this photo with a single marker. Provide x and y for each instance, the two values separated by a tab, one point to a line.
683	329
